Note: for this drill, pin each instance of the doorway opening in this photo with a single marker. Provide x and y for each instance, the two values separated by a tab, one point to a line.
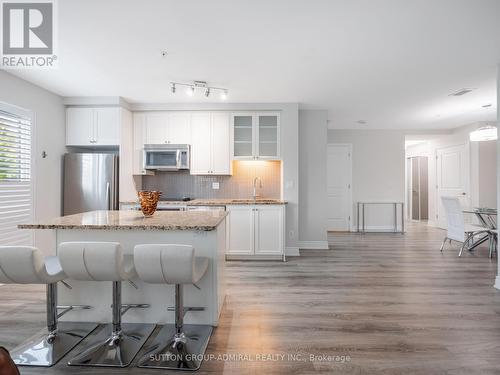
417	180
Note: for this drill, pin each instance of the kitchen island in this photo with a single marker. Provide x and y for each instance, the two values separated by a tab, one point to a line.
205	231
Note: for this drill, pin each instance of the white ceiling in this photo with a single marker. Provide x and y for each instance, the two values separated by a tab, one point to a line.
391	63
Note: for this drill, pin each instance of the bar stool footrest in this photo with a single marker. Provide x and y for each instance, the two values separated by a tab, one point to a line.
101	348
44	350
163	351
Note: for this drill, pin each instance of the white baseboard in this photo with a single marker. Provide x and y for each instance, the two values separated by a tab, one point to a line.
379	228
313	245
292	251
497	282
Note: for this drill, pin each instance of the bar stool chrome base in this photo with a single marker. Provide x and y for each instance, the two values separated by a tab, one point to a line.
45	349
177	352
114	350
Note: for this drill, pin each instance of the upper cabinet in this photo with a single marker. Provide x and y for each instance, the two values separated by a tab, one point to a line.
256	135
93	126
210	140
167	128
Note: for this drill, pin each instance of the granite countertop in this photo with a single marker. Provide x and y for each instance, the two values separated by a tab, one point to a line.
220	202
134	220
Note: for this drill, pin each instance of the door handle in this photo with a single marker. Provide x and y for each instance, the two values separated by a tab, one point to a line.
108	195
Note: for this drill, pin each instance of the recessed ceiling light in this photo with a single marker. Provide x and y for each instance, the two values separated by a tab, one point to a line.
461	92
362	122
164	53
190	91
486	105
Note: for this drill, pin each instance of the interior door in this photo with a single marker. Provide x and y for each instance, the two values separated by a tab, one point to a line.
452	178
339	187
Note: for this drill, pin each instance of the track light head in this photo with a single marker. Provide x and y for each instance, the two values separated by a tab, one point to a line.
207	92
173	88
223	95
190	91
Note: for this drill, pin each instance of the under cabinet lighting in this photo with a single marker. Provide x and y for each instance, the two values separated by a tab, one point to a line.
485	133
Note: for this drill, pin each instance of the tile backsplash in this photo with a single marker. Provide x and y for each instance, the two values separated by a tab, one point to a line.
239	185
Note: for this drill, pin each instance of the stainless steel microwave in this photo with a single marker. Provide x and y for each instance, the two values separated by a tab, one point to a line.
166	157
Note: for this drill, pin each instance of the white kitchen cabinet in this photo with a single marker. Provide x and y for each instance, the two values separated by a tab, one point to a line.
256	135
210	144
179	128
93	126
255	231
240	230
168	128
139	134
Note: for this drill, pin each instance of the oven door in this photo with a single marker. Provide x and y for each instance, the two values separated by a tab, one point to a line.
161	159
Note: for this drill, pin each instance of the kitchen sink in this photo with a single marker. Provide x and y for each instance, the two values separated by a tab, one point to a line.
258	200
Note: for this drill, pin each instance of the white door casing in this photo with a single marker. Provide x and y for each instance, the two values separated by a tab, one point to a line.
339	186
452	169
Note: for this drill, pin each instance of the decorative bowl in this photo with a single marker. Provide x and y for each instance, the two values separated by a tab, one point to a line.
148	201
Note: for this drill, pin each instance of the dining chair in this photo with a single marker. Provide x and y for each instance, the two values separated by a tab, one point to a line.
457	229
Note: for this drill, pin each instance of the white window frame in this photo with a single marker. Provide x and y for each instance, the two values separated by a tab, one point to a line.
29	115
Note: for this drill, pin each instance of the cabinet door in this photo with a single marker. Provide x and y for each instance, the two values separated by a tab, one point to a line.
243	135
267	144
221	151
268	230
80	126
139	141
240	230
179	129
156	128
107	126
200	144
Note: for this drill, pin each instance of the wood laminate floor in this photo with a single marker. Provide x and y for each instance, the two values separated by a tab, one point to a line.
375	303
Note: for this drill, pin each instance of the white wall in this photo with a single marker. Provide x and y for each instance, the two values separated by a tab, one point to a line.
312	179
378	171
49	135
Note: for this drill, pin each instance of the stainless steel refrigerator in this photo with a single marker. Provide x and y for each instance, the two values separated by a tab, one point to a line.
90	183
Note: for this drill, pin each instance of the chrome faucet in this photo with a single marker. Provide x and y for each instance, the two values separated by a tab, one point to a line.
255	186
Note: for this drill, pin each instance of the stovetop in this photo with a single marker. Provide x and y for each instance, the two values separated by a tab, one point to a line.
176	199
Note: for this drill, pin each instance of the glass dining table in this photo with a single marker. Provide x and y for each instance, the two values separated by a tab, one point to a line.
487	217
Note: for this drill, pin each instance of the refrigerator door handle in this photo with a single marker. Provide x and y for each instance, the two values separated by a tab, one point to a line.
108	195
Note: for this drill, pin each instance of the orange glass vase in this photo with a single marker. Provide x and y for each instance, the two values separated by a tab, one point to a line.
149	201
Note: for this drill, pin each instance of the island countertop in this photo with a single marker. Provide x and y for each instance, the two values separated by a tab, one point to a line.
134	220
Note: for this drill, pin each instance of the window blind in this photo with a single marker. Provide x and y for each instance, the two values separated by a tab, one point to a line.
16	196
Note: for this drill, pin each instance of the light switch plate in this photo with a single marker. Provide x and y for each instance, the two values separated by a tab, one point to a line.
215	185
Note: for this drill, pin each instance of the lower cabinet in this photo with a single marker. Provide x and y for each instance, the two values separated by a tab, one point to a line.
255	231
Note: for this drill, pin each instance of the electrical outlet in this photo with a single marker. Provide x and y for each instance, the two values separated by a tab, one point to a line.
215	185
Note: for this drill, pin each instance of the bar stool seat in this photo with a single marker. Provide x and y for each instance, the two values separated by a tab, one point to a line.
116	344
177	346
27	265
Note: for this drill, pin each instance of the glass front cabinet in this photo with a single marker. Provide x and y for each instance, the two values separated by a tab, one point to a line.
256	135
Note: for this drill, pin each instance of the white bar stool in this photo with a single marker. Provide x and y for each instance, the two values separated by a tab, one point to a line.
27	265
115	344
178	346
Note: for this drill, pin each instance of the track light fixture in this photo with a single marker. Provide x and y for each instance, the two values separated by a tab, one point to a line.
192	87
